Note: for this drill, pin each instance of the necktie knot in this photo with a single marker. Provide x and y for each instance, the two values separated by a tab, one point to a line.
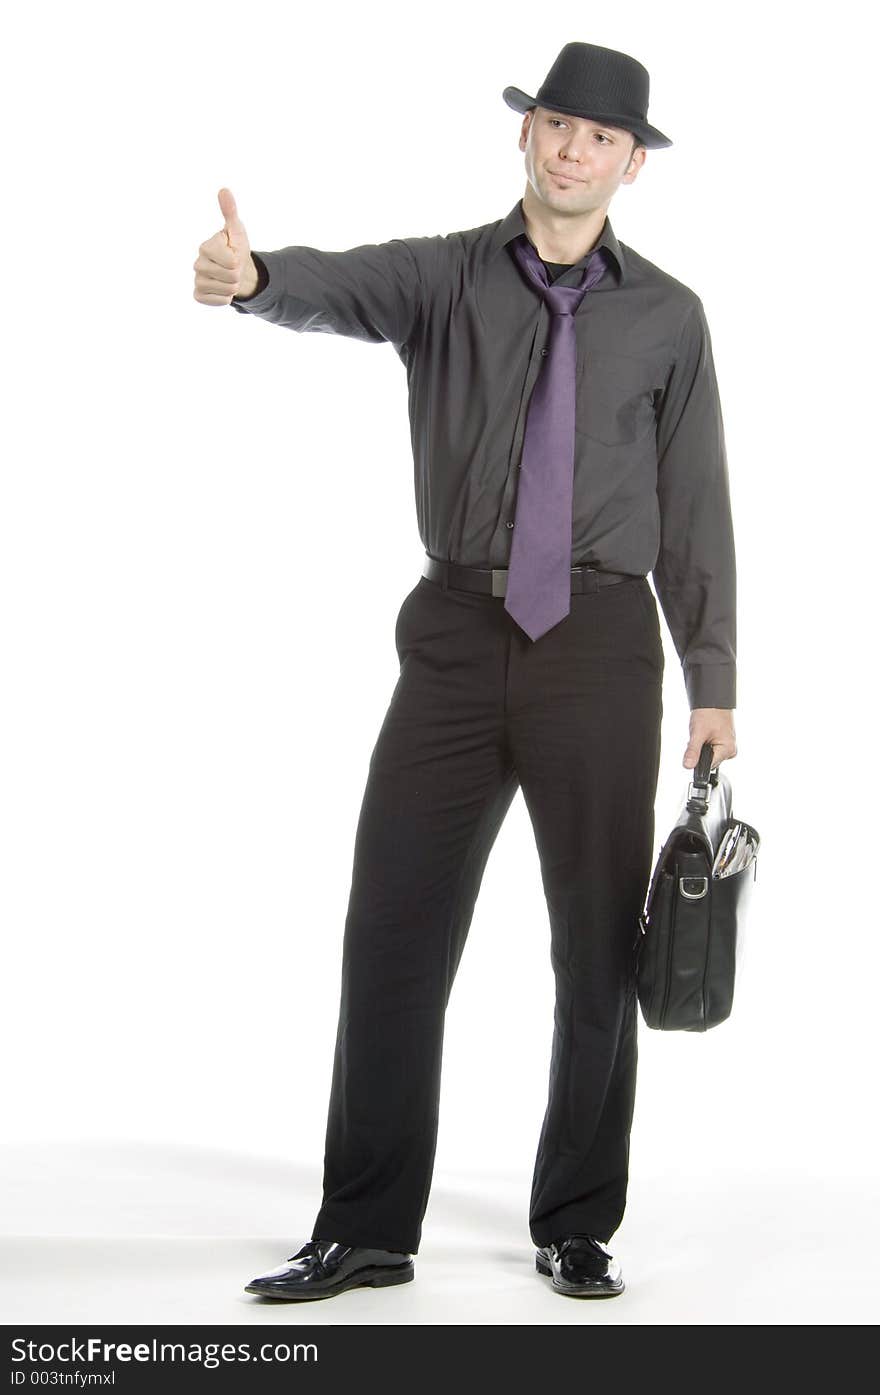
563	300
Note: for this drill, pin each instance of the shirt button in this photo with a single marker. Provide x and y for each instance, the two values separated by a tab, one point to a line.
510	524
544	351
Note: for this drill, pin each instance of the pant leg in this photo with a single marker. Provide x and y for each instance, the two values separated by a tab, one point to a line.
585	723
440	783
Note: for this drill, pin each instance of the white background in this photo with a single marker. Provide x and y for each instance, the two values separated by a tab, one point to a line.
192	682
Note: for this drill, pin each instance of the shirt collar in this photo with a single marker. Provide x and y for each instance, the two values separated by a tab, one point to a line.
514	224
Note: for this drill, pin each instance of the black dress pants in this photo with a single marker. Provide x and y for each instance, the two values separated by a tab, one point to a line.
479	711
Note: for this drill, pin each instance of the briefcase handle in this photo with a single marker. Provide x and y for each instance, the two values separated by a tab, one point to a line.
703	777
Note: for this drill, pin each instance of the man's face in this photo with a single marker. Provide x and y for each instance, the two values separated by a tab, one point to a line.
595	158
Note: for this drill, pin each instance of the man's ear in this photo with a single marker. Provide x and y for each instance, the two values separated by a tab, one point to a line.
636	160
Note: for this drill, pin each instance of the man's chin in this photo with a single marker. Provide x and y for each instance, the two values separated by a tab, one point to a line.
562	201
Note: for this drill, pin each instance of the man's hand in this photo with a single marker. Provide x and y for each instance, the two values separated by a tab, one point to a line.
224	267
713	724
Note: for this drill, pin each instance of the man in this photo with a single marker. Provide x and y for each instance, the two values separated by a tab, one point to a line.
567	440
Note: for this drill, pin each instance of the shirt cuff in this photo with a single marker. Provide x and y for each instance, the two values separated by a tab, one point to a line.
266	291
711	685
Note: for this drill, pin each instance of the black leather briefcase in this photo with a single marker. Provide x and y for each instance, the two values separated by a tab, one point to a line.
691	930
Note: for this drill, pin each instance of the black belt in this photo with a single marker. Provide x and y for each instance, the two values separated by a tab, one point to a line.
492	581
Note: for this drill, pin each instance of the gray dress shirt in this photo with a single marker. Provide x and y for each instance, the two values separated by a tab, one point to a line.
651	491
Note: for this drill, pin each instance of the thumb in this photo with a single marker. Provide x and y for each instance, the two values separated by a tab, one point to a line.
233	226
692	754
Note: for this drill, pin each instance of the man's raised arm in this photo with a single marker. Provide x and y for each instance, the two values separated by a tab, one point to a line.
372	292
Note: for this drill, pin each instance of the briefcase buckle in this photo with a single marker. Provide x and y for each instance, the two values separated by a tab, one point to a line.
701	882
499	581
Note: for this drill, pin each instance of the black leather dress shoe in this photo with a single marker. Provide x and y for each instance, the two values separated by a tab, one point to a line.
323	1267
581	1267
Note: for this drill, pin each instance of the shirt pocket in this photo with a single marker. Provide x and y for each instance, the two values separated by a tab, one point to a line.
615	398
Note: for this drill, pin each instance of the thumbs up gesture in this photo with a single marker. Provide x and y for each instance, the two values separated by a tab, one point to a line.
224	266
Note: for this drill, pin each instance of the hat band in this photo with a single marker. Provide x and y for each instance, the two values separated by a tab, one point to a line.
546	99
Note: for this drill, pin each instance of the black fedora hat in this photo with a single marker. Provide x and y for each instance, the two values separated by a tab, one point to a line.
598	83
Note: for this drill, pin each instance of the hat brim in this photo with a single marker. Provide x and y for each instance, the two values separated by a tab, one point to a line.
648	135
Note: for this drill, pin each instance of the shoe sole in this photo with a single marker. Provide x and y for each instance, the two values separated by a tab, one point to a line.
365	1278
601	1290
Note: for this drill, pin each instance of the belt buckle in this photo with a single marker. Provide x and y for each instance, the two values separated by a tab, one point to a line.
499	581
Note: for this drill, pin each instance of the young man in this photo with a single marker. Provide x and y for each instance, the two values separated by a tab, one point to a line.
567	440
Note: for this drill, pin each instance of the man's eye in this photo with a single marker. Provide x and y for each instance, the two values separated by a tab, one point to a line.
600	135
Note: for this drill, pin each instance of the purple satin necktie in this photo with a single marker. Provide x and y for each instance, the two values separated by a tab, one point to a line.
538	593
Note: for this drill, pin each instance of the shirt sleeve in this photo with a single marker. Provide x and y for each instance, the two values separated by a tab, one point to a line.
371	292
695	571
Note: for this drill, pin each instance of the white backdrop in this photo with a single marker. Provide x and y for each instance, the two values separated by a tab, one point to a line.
187	717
